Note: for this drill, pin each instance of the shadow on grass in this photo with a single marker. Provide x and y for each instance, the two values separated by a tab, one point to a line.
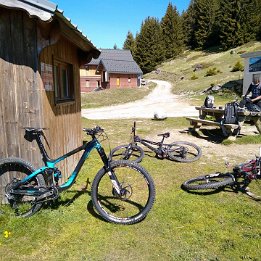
76	194
90	207
211	135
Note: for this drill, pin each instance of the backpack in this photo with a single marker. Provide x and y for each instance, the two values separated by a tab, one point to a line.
230	113
209	101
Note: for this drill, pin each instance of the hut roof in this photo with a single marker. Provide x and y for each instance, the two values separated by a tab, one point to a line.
46	12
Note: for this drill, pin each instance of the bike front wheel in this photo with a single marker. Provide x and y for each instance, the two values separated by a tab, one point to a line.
11	171
211	181
184	151
130	152
134	200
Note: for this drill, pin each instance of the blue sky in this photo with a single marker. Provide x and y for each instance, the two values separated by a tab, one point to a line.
107	22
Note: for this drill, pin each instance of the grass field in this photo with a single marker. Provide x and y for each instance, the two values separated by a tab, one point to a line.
180	226
181	70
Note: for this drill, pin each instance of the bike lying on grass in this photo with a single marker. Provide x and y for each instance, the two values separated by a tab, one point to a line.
122	192
181	151
240	179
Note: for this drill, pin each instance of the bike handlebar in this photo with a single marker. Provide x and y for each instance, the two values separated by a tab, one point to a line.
93	131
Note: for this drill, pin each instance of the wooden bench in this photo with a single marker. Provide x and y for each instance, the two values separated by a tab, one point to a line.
227	129
217	113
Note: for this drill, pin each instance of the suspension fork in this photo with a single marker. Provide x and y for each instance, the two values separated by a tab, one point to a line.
107	164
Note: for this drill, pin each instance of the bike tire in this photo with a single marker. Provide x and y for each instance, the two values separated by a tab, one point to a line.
211	181
184	151
11	168
127	152
137	194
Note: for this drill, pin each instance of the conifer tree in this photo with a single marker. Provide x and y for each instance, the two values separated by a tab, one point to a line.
237	22
188	24
203	22
256	18
149	48
129	43
172	32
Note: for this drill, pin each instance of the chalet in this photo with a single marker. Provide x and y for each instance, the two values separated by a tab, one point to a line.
114	68
41	52
252	68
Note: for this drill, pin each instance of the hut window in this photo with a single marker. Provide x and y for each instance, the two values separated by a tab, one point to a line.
63	81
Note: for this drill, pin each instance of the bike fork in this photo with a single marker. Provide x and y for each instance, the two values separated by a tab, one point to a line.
114	181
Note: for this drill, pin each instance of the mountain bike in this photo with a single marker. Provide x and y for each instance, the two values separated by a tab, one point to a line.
239	179
182	151
122	191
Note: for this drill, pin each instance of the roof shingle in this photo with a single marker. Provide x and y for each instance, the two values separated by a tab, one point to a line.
117	61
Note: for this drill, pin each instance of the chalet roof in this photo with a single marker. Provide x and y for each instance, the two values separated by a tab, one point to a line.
46	12
117	61
113	66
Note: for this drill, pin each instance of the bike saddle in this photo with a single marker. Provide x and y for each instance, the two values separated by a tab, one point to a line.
165	135
31	133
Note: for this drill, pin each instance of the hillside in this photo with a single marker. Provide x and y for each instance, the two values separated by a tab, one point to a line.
180	71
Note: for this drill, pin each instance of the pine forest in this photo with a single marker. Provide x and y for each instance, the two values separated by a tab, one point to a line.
216	25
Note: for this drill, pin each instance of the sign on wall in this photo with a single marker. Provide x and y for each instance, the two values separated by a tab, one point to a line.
47	76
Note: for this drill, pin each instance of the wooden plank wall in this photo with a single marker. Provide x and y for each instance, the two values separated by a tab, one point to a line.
23	100
63	120
19	86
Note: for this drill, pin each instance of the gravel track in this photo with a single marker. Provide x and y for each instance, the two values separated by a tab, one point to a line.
160	101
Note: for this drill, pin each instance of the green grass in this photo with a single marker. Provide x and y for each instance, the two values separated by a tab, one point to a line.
256	139
222	226
181	226
114	96
180	71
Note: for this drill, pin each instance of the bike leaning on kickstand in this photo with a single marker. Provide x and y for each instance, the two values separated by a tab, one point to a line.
122	191
181	151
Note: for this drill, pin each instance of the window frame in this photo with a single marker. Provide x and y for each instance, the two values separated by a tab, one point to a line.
64	87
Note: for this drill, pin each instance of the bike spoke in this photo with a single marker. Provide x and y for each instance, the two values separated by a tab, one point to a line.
130	201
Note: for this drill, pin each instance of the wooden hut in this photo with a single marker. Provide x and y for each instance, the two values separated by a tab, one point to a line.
41	52
115	68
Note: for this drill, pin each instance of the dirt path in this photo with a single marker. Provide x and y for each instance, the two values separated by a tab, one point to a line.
160	101
163	102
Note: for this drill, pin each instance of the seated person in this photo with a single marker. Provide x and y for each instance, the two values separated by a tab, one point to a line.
255	89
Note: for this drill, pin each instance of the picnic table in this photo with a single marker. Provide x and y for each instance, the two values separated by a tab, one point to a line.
213	117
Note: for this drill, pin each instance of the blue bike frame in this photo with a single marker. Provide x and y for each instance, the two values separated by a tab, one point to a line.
50	163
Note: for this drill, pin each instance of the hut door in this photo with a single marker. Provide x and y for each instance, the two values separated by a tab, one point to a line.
118	82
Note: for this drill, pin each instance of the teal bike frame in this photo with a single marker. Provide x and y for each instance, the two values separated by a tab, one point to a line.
51	163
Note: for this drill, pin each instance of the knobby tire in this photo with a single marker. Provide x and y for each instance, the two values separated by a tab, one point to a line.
139	198
124	152
192	151
211	181
17	168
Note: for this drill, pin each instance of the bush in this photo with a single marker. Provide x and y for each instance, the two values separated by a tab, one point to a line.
212	71
238	67
194	77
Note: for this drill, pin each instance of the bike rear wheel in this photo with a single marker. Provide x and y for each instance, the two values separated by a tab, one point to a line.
184	151
11	171
136	196
211	181
130	152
